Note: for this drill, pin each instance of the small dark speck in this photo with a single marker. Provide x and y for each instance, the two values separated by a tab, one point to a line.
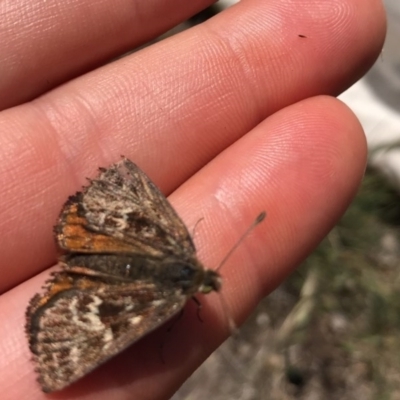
302	36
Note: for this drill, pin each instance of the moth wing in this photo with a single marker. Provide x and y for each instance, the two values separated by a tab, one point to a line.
74	331
122	211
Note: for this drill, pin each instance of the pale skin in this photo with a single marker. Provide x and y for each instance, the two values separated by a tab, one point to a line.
230	118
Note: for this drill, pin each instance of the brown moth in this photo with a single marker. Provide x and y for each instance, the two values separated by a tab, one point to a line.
129	265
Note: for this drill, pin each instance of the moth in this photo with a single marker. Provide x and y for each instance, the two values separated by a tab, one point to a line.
129	265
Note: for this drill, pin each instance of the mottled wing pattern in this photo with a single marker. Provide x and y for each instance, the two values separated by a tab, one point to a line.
123	208
129	265
77	326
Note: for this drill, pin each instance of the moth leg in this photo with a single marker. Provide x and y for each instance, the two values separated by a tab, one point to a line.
199	307
169	330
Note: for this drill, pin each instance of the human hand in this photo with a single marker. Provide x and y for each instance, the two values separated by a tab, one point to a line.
228	119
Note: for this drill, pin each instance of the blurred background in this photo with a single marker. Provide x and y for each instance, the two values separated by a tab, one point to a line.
331	331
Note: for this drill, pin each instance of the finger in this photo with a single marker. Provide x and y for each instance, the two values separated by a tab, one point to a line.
168	112
303	166
46	43
289	166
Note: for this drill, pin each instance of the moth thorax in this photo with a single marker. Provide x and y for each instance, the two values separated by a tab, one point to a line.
211	282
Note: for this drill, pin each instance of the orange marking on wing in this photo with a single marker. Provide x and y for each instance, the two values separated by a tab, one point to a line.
74	235
62	282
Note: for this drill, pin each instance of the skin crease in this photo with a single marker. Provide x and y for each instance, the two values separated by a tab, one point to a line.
229	118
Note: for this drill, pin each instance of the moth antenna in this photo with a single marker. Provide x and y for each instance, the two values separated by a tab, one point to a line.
195	227
233	328
257	221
